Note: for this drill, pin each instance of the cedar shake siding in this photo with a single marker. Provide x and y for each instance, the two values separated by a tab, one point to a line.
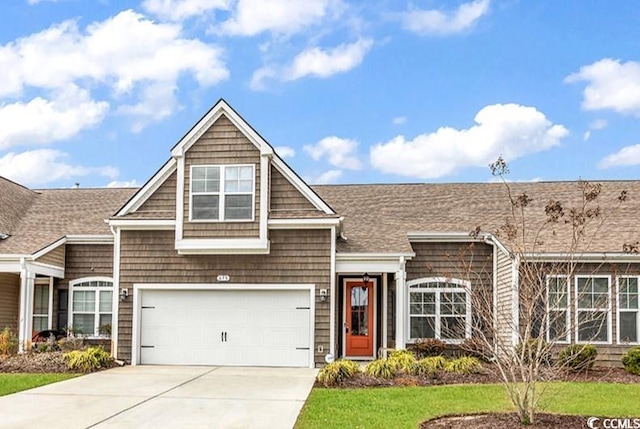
56	257
285	197
163	201
224	144
466	261
297	256
87	260
9	300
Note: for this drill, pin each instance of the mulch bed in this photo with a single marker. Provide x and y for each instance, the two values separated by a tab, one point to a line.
47	362
504	421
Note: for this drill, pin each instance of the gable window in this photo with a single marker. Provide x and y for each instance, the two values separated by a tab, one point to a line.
558	309
593	301
628	309
91	302
439	308
222	192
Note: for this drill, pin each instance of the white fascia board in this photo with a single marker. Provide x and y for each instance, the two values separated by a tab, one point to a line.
49	248
449	237
301	186
90	239
370	262
143	224
45	269
237	246
10	266
149	188
582	257
321	223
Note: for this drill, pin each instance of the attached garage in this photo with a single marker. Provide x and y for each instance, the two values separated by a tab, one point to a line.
266	325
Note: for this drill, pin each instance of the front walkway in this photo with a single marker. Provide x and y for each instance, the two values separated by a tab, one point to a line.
164	397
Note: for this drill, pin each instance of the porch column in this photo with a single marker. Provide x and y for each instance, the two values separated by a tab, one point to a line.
27	280
401	308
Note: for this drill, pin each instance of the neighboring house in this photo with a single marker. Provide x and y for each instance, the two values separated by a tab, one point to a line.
227	257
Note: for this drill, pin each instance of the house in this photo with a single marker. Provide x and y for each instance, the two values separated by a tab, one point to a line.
227	257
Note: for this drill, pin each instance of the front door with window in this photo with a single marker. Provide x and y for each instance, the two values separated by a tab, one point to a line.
359	323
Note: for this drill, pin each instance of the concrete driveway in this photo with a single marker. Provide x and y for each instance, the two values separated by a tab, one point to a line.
164	397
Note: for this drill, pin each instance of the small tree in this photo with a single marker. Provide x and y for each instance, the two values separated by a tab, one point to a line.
524	348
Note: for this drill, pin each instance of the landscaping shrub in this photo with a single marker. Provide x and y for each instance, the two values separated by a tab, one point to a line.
430	365
381	368
631	360
426	347
338	371
464	365
404	361
71	343
88	360
8	342
578	357
535	349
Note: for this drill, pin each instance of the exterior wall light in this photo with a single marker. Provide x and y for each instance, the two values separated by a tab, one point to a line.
124	293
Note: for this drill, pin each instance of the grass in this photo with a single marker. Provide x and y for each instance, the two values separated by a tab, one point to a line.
12	383
406	407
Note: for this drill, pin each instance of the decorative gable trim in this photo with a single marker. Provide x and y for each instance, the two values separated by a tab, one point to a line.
149	188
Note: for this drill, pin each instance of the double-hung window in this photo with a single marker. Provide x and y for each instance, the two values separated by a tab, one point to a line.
222	192
558	309
91	306
593	305
628	309
439	308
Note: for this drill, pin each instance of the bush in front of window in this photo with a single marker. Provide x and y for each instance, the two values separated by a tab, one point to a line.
578	357
381	368
430	366
631	360
89	360
338	371
425	347
464	365
404	361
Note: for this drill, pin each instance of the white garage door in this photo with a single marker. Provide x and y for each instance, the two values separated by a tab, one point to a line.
225	327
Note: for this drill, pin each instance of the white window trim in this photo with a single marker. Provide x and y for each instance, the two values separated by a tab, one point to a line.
465	287
607	309
49	314
567	309
222	194
624	310
96	322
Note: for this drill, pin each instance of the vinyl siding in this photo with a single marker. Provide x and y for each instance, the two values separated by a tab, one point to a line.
9	300
163	200
87	260
297	256
56	257
505	289
284	196
223	143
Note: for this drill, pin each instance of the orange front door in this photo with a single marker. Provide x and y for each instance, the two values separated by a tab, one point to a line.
359	319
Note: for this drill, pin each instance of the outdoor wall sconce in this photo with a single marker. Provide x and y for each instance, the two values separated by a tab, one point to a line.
124	293
323	295
365	280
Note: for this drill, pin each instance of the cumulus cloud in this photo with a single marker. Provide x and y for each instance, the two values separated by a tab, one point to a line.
42	166
316	62
611	85
179	10
284	17
627	156
123	184
128	53
326	178
285	151
339	152
42	121
596	125
435	22
510	130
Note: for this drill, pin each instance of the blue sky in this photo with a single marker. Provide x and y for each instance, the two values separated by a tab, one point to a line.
97	92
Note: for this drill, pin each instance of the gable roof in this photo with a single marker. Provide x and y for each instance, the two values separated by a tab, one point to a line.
377	218
56	213
15	199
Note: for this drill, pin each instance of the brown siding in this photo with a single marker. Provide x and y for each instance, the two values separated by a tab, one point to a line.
87	260
9	300
468	261
56	257
296	256
284	196
223	143
163	200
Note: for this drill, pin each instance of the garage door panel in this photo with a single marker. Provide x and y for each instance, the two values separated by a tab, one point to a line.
262	327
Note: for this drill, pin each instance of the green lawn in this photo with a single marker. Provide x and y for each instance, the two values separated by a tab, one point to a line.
12	383
406	407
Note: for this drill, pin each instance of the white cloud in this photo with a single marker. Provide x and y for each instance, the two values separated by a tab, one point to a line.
316	62
596	125
627	156
42	121
42	166
399	120
284	17
326	178
128	53
610	85
510	130
587	135
285	151
156	101
178	10
123	184
339	152
443	23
